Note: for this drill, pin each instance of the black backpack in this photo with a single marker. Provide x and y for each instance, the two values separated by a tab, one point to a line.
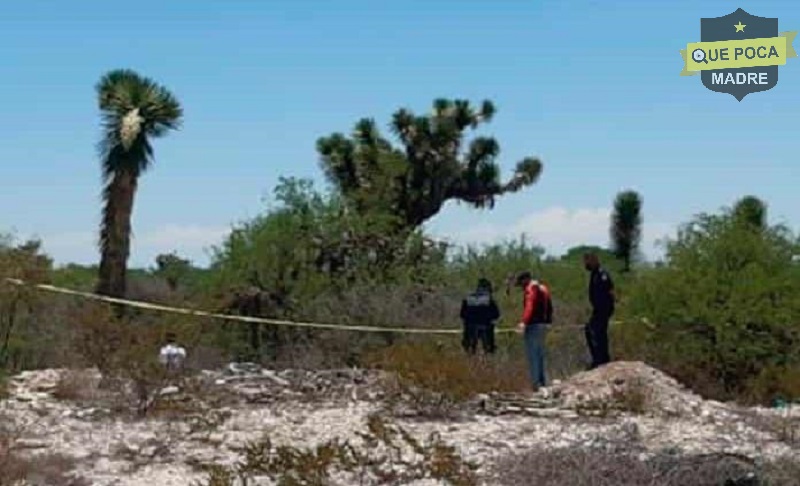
543	313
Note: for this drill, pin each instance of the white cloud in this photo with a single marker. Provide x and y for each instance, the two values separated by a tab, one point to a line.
189	241
557	229
183	237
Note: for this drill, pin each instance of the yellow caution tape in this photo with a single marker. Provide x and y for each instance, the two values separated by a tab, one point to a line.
257	320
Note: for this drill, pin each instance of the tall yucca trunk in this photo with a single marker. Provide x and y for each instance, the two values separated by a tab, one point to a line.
116	233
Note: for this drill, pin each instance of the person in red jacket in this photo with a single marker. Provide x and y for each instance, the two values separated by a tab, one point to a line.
537	313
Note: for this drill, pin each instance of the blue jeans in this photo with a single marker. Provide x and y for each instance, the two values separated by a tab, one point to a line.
534	349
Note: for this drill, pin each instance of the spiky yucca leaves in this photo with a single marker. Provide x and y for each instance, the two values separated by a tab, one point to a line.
431	167
134	110
626	226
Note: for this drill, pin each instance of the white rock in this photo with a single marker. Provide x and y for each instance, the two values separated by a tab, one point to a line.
169	390
301	422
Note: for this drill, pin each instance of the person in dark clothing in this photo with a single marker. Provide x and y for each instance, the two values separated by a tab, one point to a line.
479	312
601	297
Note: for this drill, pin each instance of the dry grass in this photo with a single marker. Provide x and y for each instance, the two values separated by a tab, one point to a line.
773	382
76	385
391	456
12	468
125	351
787	429
783	426
433	380
40	469
633	397
566	351
581	467
416	306
199	404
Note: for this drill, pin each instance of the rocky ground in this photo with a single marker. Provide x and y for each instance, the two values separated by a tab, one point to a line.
59	418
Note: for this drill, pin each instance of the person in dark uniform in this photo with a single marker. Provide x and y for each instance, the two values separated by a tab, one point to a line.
479	312
601	297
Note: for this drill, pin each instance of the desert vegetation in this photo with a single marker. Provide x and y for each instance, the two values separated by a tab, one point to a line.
726	293
719	313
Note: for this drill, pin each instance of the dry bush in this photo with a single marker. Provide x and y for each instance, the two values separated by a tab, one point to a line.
76	385
675	355
125	351
391	306
40	469
427	307
417	306
434	378
391	457
633	396
199	404
783	472
42	336
153	289
12	467
773	382
679	354
203	356
98	335
48	469
31	334
787	429
566	352
399	306
782	425
583	467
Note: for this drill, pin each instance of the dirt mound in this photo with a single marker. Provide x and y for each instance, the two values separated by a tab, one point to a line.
628	386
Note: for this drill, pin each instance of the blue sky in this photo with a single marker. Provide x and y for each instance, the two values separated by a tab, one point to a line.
590	87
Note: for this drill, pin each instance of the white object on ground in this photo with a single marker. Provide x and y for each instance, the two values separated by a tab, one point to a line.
169	390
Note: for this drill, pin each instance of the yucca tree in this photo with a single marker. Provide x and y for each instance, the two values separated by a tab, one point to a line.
626	226
432	165
135	110
752	212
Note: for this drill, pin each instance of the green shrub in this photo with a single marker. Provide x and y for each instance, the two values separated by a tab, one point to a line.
725	308
19	327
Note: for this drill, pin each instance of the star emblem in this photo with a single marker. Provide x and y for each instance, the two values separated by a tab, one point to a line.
740	27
